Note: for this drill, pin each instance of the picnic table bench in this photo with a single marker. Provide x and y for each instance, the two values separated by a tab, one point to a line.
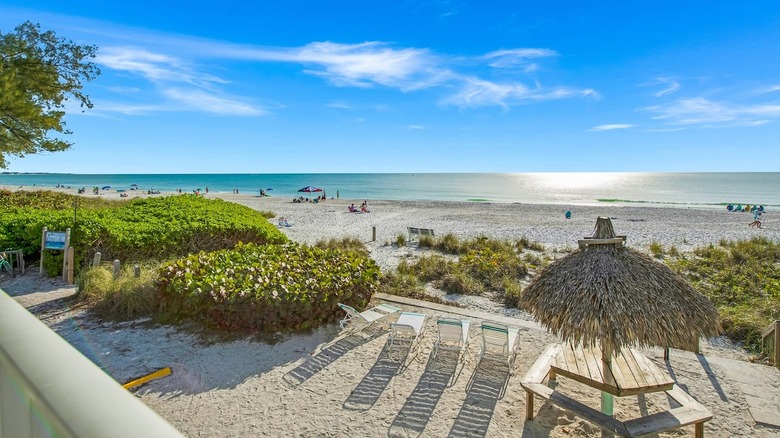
419	232
689	412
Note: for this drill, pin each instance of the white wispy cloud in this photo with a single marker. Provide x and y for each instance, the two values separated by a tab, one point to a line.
479	92
517	58
154	66
611	127
703	111
204	101
339	105
175	59
415	127
670	86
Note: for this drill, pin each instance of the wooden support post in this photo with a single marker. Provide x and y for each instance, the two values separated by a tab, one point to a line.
137	271
43	245
116	269
96	260
65	255
70	256
698	431
666	354
373	234
607	401
529	405
777	343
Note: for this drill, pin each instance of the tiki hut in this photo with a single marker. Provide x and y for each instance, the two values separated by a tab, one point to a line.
615	296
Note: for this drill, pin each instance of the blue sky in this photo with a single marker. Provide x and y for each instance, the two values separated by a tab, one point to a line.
414	86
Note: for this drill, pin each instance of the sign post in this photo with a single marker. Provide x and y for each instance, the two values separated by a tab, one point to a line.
58	241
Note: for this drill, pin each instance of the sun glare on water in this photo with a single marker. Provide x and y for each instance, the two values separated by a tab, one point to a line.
577	180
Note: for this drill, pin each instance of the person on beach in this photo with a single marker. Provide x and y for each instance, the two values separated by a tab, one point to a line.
756	219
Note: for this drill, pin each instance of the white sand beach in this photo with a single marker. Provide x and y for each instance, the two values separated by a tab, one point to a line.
323	384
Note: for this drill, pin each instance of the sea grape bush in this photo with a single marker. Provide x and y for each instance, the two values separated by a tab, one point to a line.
142	229
266	288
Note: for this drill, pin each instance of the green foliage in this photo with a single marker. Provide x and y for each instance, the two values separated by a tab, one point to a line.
345	244
490	268
656	249
48	200
460	283
266	288
52	262
429	268
742	279
39	73
526	243
267	214
486	264
407	285
400	240
512	291
142	229
125	297
425	242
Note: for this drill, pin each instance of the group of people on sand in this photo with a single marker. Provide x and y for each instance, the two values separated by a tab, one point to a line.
746	208
363	208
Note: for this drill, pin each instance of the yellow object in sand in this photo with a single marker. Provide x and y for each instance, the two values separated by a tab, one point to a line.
141	380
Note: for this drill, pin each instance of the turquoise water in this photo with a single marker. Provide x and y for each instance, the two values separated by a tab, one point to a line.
683	189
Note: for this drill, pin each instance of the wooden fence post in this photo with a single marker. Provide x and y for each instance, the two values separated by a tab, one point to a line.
43	246
65	255
373	234
137	271
96	260
116	269
70	256
777	343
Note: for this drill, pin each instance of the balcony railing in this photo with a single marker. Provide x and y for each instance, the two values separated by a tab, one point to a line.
49	389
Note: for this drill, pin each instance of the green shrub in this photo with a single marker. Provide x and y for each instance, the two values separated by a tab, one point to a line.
425	242
512	291
266	288
656	249
429	267
141	229
459	283
742	279
125	297
448	243
406	285
52	262
490	268
526	243
344	244
400	240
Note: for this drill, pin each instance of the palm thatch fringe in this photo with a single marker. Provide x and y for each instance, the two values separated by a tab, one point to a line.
617	296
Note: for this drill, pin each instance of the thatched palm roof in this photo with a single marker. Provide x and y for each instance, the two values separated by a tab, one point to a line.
607	293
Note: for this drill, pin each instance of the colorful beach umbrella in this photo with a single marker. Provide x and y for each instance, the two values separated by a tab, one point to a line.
310	189
106	188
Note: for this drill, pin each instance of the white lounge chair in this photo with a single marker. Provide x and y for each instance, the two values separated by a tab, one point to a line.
356	321
407	329
499	342
453	334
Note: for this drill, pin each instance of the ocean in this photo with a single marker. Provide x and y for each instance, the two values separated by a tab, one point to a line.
591	188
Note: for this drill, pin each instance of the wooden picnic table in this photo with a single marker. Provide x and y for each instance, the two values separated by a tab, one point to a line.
631	372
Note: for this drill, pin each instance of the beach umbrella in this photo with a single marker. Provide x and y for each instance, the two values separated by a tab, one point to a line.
133	185
310	189
617	297
105	188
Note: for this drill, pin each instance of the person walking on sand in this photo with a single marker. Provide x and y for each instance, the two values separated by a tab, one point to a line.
756	219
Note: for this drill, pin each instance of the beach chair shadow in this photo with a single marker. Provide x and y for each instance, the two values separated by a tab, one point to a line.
326	356
414	415
487	386
368	391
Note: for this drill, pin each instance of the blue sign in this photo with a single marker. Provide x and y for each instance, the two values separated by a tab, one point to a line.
55	240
